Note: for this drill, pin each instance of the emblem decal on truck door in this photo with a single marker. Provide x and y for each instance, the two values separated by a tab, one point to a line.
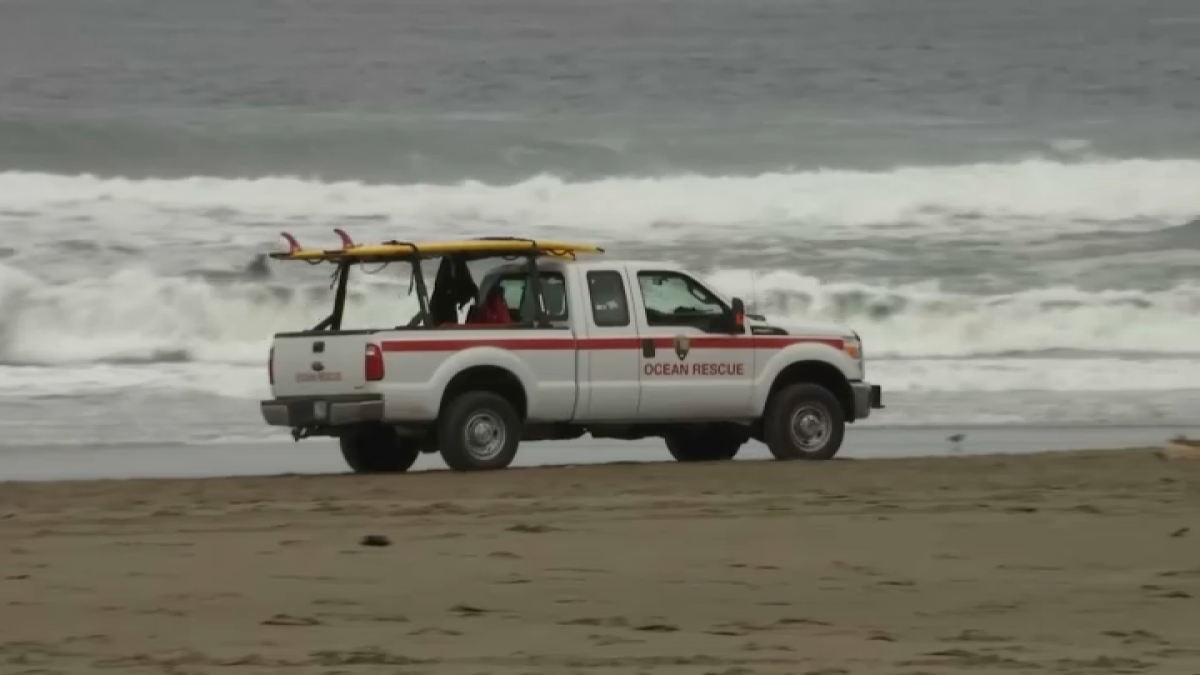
682	346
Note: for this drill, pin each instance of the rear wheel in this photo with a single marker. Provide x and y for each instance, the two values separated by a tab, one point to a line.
804	421
376	448
705	442
478	431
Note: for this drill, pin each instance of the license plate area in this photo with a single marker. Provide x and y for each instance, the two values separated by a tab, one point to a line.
307	413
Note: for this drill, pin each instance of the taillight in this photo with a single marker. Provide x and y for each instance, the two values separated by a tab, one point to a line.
373	363
271	365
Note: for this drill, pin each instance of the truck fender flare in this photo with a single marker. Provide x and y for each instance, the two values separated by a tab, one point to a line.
806	362
483	360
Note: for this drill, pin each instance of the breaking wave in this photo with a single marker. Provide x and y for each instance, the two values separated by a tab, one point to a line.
1028	200
98	274
139	316
920	320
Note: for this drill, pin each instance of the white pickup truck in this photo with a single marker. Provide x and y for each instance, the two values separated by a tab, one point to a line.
624	350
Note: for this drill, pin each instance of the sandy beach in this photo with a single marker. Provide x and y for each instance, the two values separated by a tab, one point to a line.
1076	562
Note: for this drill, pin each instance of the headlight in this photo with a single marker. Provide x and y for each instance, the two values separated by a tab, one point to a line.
853	347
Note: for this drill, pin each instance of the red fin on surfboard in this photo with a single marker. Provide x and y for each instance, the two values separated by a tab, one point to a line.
293	245
347	242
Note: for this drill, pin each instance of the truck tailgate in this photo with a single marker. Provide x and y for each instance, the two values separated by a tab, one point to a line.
319	363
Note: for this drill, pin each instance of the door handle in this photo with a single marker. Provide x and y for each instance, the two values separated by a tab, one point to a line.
648	347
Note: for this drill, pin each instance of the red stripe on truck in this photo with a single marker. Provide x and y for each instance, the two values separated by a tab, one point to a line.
540	344
755	342
511	344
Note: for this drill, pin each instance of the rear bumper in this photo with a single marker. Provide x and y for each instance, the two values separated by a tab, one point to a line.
316	411
867	397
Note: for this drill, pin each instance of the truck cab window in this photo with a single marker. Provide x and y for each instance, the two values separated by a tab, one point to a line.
674	299
515	290
554	296
610	305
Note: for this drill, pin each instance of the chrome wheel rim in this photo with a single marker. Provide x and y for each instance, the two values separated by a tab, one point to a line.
484	435
810	427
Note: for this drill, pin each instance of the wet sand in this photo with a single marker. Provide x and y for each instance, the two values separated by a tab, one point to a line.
1071	563
321	455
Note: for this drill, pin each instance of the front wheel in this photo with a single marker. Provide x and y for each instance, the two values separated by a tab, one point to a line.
477	431
377	448
804	421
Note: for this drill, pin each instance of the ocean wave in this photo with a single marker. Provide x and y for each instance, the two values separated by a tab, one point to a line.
921	320
1014	202
140	316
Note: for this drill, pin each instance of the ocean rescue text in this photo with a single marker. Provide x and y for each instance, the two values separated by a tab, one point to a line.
734	369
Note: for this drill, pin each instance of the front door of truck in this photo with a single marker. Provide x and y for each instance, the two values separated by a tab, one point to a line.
692	367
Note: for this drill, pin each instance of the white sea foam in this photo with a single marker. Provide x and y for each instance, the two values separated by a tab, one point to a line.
135	329
135	315
1026	200
920	320
202	335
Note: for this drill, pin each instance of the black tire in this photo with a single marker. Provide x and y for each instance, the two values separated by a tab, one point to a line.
376	448
705	442
463	417
826	423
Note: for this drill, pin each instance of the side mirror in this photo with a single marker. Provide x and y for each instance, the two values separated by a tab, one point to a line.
736	322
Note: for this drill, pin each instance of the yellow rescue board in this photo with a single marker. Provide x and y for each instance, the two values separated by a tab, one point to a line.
404	250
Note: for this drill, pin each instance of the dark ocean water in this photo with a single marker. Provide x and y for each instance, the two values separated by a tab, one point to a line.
1000	196
419	90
